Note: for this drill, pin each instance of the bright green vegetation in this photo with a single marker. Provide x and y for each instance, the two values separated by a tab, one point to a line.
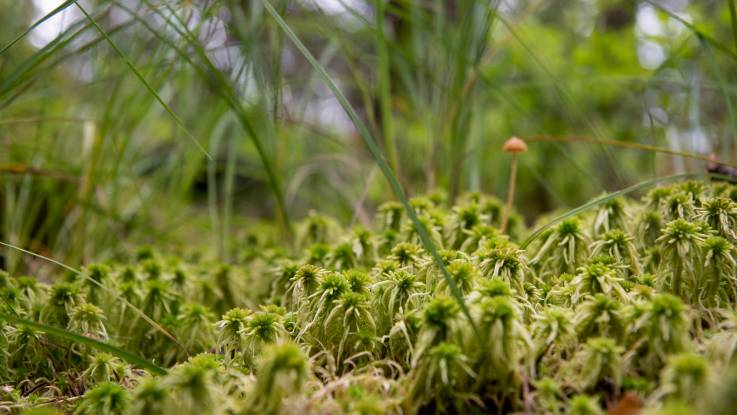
217	206
632	297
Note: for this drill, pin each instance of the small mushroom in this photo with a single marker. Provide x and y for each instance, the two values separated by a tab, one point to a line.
514	145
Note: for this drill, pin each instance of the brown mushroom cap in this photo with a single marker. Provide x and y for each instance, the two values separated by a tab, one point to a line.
514	145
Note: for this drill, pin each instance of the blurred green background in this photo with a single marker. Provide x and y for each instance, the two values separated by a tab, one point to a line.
106	119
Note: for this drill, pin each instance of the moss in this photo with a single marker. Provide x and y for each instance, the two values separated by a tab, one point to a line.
583	316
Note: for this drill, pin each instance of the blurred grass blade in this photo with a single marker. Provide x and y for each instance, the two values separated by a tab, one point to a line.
145	83
24	169
135	309
378	157
565	99
601	200
724	88
733	19
95	344
38	23
625	144
384	84
221	87
19	79
52	260
698	32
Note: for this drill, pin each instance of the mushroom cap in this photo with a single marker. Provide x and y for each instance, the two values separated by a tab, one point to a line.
514	145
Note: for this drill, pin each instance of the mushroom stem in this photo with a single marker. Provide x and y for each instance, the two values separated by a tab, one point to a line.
510	193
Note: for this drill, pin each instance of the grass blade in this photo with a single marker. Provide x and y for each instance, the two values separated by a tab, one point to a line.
385	87
373	148
138	311
600	200
145	83
38	23
95	344
698	32
723	87
623	144
221	87
733	19
565	98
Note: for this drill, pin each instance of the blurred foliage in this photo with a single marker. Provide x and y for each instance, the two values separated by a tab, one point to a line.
91	163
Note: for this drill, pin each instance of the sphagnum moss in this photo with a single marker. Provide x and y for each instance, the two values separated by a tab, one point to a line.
630	300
